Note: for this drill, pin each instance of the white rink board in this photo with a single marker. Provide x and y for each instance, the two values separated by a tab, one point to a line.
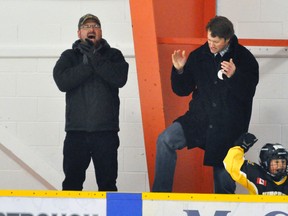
188	208
33	206
73	203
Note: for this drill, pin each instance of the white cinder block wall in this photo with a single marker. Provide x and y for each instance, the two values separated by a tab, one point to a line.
34	33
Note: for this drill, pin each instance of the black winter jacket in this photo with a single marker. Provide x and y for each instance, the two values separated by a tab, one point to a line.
92	100
220	110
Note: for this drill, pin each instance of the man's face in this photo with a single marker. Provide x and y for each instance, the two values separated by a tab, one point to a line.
91	30
277	165
216	44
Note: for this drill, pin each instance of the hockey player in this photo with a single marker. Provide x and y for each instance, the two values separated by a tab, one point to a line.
270	177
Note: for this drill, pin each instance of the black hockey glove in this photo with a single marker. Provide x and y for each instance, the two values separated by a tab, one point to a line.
246	141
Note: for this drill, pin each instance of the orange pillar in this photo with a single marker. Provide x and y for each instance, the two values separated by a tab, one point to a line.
159	105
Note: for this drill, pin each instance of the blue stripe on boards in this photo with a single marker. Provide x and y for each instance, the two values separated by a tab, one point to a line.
124	204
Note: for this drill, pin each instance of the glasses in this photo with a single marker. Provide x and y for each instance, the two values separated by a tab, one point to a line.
86	27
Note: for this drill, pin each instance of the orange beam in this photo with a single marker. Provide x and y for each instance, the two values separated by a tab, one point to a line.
149	81
200	41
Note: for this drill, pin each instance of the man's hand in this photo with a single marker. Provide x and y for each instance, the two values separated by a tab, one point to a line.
246	141
179	59
87	47
228	68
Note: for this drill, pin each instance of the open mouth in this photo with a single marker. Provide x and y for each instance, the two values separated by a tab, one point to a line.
91	36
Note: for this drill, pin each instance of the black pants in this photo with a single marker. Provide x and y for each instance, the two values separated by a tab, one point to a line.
79	148
223	182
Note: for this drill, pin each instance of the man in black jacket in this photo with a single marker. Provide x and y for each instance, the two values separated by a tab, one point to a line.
222	75
91	74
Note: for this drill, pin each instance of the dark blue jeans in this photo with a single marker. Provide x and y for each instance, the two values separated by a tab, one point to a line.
168	142
80	148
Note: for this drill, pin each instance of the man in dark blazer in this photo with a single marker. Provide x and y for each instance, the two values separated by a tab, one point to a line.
222	76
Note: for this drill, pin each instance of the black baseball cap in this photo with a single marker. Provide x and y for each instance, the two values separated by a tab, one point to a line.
83	19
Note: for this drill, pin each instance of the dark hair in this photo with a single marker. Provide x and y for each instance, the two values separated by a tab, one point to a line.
221	27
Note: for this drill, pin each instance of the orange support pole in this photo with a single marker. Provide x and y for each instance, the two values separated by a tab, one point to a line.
147	62
245	42
159	105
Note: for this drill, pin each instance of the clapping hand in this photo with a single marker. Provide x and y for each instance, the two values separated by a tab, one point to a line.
228	68
87	47
179	59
